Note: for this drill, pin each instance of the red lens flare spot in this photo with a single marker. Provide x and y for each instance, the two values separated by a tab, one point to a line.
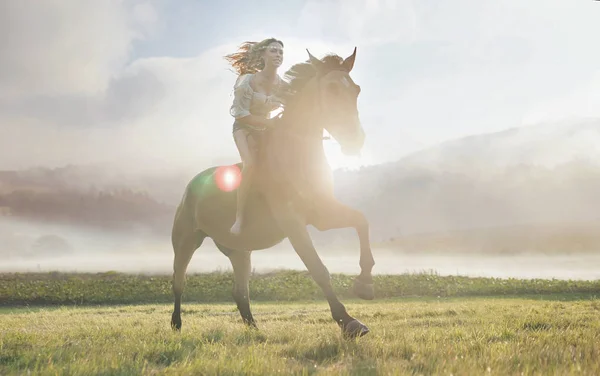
228	178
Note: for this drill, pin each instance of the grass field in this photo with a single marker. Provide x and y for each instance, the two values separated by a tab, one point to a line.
460	336
522	327
19	289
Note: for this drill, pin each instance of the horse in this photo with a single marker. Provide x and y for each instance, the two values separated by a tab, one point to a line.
292	188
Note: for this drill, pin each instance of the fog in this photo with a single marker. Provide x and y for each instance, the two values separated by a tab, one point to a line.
463	208
140	252
208	259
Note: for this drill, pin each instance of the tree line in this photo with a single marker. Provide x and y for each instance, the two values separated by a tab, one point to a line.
105	208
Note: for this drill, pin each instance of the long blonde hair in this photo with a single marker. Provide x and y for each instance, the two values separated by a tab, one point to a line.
247	59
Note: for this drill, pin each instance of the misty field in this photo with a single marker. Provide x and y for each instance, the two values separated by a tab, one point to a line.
119	324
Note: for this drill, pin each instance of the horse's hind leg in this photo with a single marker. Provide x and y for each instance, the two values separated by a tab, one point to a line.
240	261
185	244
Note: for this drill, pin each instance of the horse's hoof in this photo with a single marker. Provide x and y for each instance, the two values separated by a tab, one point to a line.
354	329
175	323
364	290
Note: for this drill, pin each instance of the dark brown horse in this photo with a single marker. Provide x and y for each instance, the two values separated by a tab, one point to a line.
293	189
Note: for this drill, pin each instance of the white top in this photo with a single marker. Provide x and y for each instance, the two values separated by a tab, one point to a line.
246	101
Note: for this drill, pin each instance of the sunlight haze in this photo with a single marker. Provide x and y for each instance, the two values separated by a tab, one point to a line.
456	225
482	122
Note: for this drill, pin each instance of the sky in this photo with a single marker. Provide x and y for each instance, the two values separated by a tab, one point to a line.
143	83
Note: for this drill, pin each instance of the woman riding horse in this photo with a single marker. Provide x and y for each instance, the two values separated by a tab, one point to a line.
257	92
293	186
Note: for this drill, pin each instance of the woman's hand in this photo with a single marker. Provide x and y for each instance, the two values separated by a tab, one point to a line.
273	122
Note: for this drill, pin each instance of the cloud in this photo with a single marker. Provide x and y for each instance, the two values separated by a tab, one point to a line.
155	113
190	126
362	22
128	94
65	47
71	90
477	67
157	110
581	102
66	89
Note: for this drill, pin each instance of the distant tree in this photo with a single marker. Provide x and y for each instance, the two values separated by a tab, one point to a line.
51	243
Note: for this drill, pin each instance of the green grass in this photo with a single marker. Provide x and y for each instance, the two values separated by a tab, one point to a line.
32	289
459	336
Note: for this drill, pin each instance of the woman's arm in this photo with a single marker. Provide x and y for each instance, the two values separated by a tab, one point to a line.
257	121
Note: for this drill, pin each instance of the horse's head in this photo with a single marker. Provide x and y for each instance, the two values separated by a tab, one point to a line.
337	96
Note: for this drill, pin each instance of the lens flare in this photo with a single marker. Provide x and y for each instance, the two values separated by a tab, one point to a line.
228	178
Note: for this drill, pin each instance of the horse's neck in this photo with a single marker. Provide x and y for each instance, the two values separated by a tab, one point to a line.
302	118
302	129
295	154
295	147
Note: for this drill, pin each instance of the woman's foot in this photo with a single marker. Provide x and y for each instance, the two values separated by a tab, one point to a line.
236	229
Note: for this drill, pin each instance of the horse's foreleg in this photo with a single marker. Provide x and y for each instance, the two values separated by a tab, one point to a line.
183	255
185	242
333	215
240	261
296	232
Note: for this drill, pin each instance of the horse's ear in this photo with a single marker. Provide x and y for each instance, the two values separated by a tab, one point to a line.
314	61
349	61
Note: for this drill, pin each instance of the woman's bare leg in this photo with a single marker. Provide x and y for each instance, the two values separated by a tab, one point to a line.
241	138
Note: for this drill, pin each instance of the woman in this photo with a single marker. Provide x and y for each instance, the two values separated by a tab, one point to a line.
257	92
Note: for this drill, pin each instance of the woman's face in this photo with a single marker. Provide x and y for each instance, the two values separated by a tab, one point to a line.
273	55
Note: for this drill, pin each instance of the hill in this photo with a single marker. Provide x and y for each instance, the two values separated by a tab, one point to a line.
533	175
544	145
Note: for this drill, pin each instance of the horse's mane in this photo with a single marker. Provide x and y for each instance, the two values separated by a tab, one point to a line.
298	75
282	155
